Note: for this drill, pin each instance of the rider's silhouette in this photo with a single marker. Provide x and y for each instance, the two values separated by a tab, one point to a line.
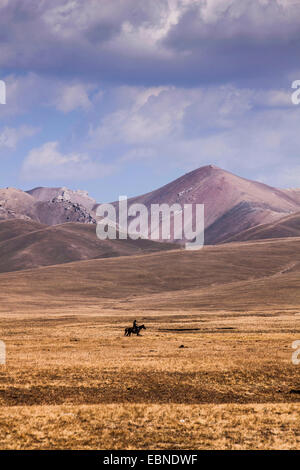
134	326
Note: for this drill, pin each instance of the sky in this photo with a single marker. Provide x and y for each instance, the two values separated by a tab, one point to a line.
118	97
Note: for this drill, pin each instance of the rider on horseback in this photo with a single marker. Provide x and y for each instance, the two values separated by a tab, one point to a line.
134	326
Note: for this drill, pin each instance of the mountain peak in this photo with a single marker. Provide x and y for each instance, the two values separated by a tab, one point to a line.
214	167
206	168
232	203
44	194
204	171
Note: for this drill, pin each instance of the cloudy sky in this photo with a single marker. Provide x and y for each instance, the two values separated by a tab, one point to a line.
122	96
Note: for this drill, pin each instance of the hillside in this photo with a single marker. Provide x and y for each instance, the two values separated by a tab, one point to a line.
286	227
63	194
17	204
242	276
16	227
25	245
232	204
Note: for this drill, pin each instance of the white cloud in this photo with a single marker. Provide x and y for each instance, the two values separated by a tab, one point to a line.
49	162
31	91
10	136
71	97
243	130
150	115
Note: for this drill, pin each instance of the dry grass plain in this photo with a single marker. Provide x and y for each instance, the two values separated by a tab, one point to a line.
73	381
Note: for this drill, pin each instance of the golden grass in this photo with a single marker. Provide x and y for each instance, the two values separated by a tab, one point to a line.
271	426
72	380
76	382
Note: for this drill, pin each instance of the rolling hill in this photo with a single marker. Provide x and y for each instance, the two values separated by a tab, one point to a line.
16	227
27	244
258	275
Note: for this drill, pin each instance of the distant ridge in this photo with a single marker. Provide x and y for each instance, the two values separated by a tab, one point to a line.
30	205
233	205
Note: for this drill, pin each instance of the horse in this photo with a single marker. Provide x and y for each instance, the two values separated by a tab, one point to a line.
130	330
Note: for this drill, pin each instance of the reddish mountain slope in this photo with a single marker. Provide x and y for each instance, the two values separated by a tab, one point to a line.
286	227
232	204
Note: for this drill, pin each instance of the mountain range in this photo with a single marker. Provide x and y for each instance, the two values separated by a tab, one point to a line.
46	226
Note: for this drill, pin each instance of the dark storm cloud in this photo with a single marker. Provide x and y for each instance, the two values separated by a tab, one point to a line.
250	42
70	37
180	42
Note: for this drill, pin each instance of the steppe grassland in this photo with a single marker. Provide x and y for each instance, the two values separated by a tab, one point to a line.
74	381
